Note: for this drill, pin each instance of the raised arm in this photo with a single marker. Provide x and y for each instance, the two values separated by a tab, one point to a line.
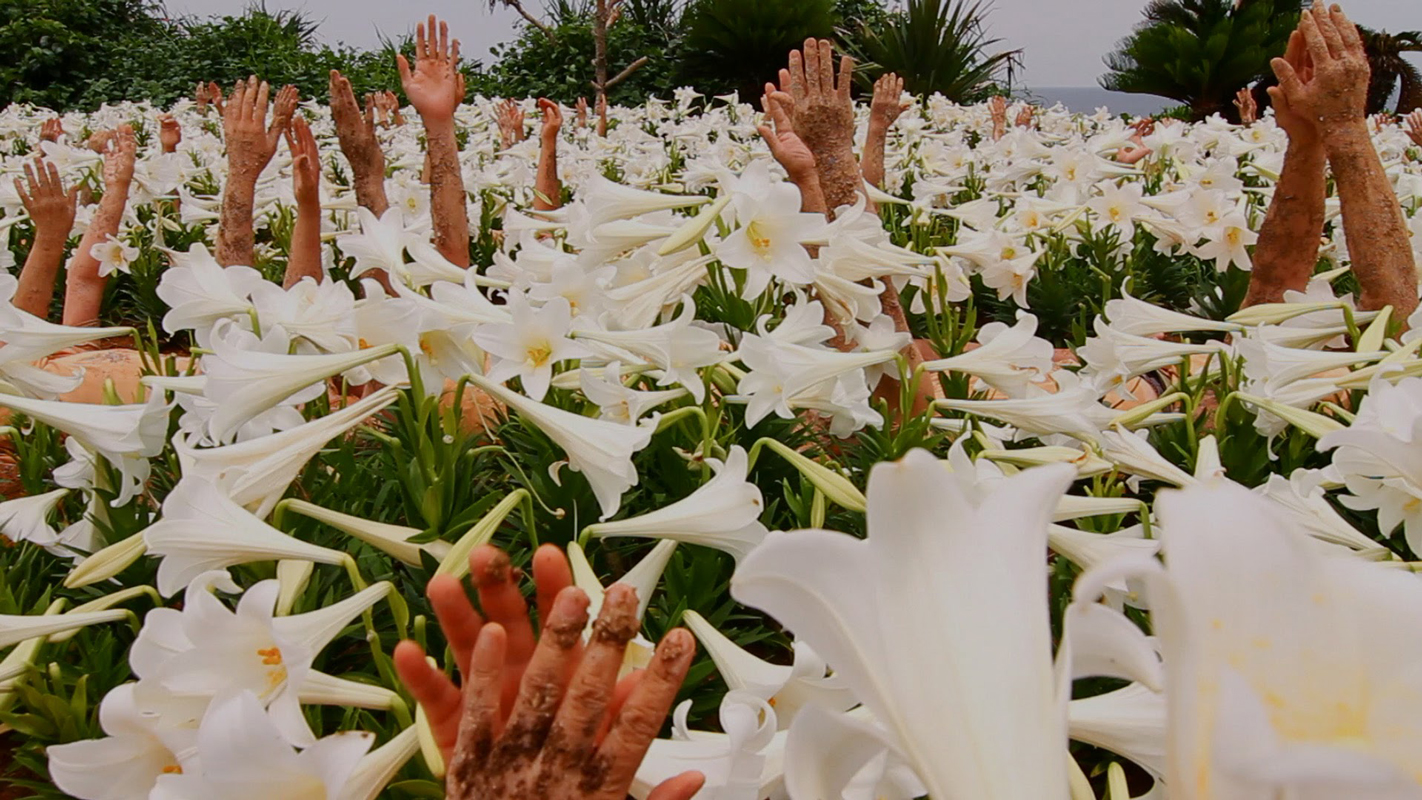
1245	105
548	187
435	88
356	132
51	209
1414	127
250	145
1287	251
1336	95
789	150
84	285
823	118
997	107
884	109
169	133
304	260
510	117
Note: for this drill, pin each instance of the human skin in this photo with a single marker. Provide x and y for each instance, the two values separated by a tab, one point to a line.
169	133
435	88
510	118
1287	251
84	289
1414	127
355	130
790	151
51	209
1248	109
823	117
543	716
884	109
304	260
251	142
549	190
997	107
1336	95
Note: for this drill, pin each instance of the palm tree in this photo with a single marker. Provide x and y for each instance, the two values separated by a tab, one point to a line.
935	46
1200	52
1389	66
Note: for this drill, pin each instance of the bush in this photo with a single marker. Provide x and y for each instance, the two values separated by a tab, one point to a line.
740	44
562	70
935	46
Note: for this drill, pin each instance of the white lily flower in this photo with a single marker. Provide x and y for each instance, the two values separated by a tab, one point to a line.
202	529
199	291
722	514
256	473
676	348
1138	318
617	402
912	643
530	344
141	744
643	578
741	762
26	519
1129	722
113	255
389	539
607	200
16	628
1009	358
380	243
600	450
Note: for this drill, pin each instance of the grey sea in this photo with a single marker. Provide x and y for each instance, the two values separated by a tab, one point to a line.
1086	99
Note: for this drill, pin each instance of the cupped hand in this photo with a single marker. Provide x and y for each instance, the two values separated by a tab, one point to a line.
582	108
42	194
552	118
434	85
510	118
570	734
1026	116
50	130
1338	89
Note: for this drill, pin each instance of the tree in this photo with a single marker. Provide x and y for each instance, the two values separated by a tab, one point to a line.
1385	57
1200	52
935	46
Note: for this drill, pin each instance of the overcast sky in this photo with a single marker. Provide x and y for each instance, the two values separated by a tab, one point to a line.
1063	40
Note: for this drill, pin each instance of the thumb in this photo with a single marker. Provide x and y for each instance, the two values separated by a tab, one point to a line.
404	67
769	136
682	787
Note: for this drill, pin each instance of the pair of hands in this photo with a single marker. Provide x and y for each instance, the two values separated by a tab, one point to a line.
545	716
1323	76
251	142
811	113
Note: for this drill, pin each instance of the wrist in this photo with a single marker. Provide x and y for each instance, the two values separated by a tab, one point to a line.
440	124
51	237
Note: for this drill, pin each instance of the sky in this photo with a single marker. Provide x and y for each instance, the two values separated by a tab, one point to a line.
1064	40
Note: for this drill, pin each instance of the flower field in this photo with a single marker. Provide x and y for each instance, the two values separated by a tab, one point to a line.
1084	529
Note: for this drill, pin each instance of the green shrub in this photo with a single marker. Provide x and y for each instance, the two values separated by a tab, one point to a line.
935	46
741	44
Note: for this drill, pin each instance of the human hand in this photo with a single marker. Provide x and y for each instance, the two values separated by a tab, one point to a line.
568	736
1414	127
251	142
552	118
1248	109
169	132
391	104
355	129
1143	127
997	107
42	194
1300	127
305	164
201	95
1337	92
822	113
582	112
497	585
510	118
1025	116
435	86
99	140
120	153
885	107
785	145
214	93
50	130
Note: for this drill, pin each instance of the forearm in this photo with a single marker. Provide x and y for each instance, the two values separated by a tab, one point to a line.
812	198
872	163
305	258
1378	243
370	191
83	286
1287	251
235	238
36	285
448	204
839	175
549	189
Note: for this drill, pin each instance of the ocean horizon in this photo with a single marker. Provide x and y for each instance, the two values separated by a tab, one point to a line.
1086	99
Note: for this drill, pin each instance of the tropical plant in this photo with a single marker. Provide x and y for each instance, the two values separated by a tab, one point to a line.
1389	65
1200	52
935	46
741	44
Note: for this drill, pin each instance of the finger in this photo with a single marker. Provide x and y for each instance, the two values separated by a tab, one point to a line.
1324	21
479	723
30	178
434	691
812	68
456	616
640	720
590	693
454	53
1317	47
1288	79
404	67
826	67
546	679
421	52
443	40
259	106
846	74
1347	32
682	787
780	104
503	603
20	190
620	694
551	575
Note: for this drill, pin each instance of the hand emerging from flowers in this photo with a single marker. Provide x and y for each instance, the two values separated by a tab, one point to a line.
50	207
434	85
1026	117
355	129
251	142
552	119
1414	127
120	152
510	118
582	108
822	111
1337	91
305	164
997	108
779	135
886	105
51	130
169	133
1300	127
1248	109
545	718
